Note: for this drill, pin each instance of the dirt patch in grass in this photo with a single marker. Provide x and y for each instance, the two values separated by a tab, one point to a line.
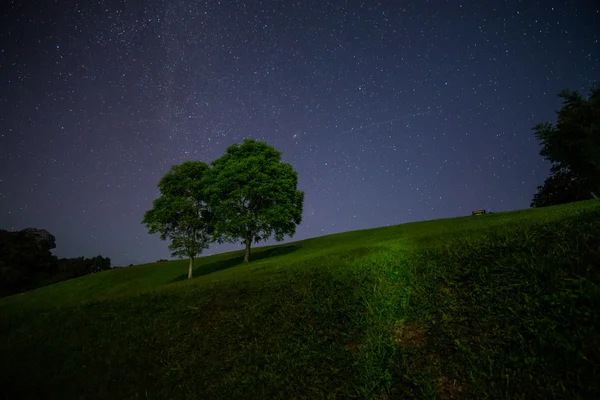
449	389
410	335
352	346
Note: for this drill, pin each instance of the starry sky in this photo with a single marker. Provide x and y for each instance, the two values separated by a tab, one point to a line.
390	111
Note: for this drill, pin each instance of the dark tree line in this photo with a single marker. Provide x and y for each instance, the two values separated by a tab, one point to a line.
26	262
572	145
79	266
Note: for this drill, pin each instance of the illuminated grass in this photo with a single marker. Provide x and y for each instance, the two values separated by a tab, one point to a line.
498	306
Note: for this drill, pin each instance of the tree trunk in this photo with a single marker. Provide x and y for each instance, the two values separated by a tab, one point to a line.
247	255
191	267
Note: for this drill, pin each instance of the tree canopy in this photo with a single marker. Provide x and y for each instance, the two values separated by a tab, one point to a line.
248	194
573	147
26	261
561	187
253	195
180	213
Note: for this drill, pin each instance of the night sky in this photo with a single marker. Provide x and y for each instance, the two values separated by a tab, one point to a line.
390	112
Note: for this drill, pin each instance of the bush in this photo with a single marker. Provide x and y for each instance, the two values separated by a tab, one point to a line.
26	261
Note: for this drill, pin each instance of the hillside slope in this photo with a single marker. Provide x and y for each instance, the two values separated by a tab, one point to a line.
502	306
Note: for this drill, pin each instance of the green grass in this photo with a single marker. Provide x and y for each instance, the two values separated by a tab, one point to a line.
495	306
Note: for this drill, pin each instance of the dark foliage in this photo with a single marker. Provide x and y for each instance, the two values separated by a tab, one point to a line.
573	148
26	261
560	188
75	267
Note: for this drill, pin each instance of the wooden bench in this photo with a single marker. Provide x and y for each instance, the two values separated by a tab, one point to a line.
478	212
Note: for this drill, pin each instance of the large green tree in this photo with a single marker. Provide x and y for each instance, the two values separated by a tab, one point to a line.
180	214
573	148
253	195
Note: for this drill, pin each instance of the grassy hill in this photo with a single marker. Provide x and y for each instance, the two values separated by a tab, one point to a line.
498	306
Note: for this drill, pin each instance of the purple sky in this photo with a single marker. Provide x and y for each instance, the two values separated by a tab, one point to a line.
389	111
